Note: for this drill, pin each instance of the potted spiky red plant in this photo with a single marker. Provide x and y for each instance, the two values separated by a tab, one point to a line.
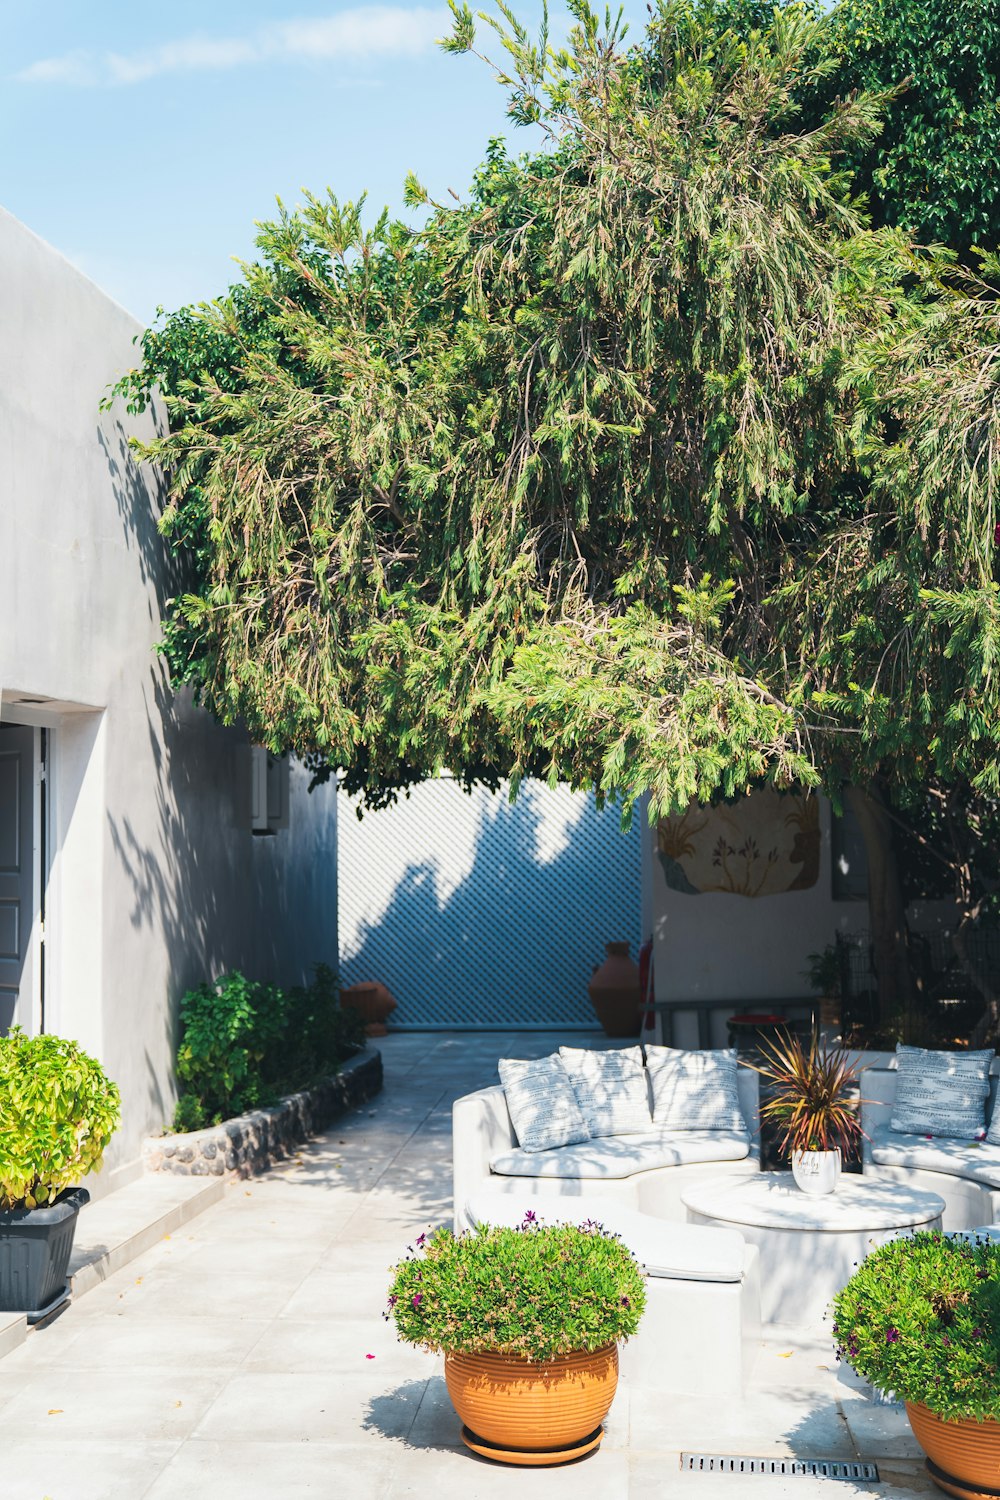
812	1100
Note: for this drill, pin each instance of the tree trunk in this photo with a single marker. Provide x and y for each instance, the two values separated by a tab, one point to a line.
886	909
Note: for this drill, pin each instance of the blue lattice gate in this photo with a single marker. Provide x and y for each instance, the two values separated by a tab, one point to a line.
479	913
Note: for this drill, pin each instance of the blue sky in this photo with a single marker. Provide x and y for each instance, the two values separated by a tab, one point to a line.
143	141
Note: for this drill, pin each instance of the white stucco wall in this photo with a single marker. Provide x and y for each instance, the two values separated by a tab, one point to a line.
155	880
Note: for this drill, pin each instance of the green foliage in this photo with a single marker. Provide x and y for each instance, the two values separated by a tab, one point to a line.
244	1044
58	1111
921	1317
823	971
811	1094
588	410
935	168
537	1291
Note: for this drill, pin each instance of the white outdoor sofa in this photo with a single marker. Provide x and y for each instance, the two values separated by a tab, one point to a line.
647	1172
701	1331
964	1173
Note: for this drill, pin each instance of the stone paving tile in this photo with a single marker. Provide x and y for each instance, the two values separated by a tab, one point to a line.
206	1470
139	1343
339	1345
457	1474
80	1469
324	1407
54	1405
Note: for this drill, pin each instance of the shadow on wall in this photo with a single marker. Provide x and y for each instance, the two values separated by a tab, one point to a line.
210	895
516	941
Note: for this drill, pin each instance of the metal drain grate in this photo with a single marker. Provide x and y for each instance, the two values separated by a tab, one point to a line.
744	1463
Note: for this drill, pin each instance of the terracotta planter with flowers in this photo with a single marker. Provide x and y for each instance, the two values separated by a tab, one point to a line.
529	1321
920	1317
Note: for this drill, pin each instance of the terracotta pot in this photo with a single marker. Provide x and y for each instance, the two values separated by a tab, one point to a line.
373	1002
532	1410
963	1457
816	1172
614	992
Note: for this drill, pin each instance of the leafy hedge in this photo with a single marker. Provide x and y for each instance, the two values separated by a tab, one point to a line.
921	1317
538	1291
243	1044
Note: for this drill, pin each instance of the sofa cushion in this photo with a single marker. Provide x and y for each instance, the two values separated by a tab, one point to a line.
541	1103
977	1160
941	1093
610	1088
675	1252
993	1134
617	1156
694	1090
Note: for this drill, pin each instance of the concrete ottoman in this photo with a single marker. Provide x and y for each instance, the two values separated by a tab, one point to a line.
700	1333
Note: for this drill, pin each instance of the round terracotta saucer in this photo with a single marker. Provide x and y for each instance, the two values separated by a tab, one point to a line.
532	1457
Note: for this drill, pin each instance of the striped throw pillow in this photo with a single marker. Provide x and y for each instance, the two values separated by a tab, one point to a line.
941	1093
694	1090
610	1088
542	1104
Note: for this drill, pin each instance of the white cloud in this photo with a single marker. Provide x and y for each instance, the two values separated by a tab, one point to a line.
368	32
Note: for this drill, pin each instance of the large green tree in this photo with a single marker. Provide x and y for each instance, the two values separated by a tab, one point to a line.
653	467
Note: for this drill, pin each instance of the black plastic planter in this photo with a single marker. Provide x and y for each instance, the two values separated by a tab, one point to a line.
35	1246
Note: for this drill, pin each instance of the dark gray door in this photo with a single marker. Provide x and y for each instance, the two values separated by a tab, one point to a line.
16	753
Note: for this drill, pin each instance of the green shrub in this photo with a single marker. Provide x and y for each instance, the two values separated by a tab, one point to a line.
245	1044
537	1291
921	1317
58	1111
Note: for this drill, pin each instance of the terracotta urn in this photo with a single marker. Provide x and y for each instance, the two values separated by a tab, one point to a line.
963	1455
615	994
373	1002
532	1413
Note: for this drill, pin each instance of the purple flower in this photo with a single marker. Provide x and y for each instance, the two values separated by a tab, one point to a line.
417	1298
946	1340
421	1240
891	1335
393	1300
530	1217
626	1302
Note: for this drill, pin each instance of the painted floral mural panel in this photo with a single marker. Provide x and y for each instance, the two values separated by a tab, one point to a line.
765	844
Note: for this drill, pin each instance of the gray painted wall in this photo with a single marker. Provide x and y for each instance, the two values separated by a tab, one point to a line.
154	878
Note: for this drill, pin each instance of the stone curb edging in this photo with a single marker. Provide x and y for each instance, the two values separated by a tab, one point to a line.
252	1142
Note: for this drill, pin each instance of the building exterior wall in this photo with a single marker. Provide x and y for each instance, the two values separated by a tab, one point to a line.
751	949
477	912
154	878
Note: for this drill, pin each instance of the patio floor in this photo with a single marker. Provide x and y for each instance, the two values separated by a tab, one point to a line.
234	1360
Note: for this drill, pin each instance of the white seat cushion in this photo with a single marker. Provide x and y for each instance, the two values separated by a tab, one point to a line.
978	1161
618	1156
674	1252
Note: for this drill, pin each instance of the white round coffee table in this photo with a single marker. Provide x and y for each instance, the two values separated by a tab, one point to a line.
809	1245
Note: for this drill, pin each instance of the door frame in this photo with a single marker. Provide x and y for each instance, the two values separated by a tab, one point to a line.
30	1012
